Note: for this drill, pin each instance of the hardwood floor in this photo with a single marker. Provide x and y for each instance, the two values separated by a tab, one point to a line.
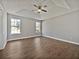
39	48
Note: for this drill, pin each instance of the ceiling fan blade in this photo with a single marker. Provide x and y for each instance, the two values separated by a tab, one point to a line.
45	5
35	10
43	10
35	5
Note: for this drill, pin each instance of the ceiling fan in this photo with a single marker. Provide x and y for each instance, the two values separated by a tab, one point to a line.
40	8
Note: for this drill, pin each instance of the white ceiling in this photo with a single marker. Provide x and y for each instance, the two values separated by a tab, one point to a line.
54	7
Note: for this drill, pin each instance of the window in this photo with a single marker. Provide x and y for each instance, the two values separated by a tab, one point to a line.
37	26
15	26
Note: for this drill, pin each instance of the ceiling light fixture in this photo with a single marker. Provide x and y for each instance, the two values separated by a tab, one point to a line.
40	6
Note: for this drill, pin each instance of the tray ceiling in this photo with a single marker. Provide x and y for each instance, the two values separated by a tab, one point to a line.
24	7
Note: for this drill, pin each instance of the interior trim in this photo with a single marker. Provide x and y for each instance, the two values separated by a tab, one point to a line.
4	46
62	14
16	39
61	39
1	48
23	38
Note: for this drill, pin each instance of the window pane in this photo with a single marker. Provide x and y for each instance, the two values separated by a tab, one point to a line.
37	26
12	22
15	26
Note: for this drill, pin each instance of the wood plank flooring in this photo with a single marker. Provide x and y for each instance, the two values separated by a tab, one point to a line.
39	48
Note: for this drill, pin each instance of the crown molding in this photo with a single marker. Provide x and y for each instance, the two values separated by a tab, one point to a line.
62	14
60	5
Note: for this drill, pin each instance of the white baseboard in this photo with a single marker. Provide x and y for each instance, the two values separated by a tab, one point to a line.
62	40
16	39
37	36
23	38
3	46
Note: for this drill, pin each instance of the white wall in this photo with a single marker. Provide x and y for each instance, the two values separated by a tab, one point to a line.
1	31
64	27
27	27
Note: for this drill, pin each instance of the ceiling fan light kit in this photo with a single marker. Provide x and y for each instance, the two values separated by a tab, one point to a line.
40	7
39	10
